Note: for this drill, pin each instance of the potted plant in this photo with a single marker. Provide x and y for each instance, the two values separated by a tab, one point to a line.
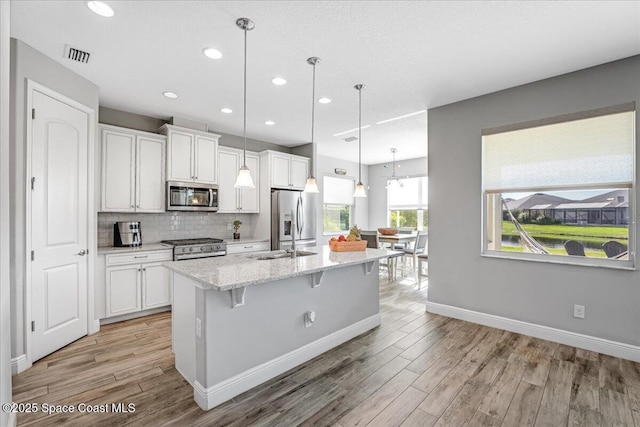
236	226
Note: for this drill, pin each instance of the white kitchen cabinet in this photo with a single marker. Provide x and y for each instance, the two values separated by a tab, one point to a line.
237	248
133	284
191	155
287	171
132	170
231	199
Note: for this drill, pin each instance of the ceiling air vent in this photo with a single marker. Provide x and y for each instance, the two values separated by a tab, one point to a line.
77	55
350	139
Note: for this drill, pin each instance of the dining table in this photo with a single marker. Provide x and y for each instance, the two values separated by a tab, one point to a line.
397	238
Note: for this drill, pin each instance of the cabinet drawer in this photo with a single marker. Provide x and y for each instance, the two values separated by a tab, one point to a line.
248	247
139	257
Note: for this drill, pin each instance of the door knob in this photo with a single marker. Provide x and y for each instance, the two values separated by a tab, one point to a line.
82	252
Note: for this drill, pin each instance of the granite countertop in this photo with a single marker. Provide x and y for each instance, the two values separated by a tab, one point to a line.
231	241
142	248
239	270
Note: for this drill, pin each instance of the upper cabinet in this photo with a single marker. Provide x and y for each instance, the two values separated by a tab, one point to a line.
231	199
287	171
191	155
132	170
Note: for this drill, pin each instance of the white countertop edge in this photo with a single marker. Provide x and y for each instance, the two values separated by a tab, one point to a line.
231	241
174	266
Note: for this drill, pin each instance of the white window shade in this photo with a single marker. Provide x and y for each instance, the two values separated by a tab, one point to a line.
338	191
407	193
592	152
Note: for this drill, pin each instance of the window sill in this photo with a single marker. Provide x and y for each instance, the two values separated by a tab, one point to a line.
568	260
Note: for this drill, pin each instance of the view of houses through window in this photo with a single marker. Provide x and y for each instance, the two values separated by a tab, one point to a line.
591	218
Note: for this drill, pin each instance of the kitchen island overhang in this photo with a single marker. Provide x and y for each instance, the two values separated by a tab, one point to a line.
239	321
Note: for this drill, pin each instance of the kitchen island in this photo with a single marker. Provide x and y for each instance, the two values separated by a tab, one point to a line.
239	320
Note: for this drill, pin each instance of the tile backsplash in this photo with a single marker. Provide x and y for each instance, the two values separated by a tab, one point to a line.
175	225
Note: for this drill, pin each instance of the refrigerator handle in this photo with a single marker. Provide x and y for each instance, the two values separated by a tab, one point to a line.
299	216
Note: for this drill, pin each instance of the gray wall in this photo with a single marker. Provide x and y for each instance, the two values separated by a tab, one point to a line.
5	291
326	166
538	293
28	63
378	175
125	119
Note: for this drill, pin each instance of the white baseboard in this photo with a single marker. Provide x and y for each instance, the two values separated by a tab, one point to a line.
587	342
129	316
19	364
94	327
210	397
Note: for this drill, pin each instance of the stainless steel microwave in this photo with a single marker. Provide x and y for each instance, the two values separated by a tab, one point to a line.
189	196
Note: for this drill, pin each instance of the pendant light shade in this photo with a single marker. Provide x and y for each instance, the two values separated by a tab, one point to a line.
312	186
360	192
244	179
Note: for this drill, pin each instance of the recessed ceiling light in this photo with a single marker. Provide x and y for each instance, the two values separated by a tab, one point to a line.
226	110
351	130
212	53
324	100
269	123
402	117
171	95
100	8
278	81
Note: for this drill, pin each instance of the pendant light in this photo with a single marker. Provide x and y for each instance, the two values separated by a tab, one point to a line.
359	186
244	179
312	186
393	178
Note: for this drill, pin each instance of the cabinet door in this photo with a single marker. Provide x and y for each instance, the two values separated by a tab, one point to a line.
250	197
229	162
205	159
180	156
155	286
123	290
299	172
118	171
279	171
150	188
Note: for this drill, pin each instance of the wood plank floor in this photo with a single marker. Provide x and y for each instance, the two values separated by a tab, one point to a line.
416	369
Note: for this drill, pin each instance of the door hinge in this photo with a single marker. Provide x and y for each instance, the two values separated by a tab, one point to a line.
33	326
33	182
33	113
33	255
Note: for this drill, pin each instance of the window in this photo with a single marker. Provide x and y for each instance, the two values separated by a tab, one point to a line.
562	179
407	202
337	209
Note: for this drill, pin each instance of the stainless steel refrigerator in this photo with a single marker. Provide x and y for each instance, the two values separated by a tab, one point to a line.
300	207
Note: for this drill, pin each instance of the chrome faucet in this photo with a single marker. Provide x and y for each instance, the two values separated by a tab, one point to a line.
294	252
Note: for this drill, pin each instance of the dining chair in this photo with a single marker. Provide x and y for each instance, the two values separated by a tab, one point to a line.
419	247
403	230
390	263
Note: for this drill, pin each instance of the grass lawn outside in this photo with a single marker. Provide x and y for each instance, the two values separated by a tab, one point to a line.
586	233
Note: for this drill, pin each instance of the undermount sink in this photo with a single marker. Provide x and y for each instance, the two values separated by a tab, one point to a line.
279	254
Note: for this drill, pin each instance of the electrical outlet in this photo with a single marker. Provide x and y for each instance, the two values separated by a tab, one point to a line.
578	311
229	227
198	328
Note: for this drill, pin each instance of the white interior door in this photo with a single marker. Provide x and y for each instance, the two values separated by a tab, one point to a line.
59	215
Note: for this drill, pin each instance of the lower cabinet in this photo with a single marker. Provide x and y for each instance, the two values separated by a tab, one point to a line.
137	286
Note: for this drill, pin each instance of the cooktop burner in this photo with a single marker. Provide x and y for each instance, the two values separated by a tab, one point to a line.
184	242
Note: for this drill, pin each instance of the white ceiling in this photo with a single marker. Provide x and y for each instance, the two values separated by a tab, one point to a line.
413	55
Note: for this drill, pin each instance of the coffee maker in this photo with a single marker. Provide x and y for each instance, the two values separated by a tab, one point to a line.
127	234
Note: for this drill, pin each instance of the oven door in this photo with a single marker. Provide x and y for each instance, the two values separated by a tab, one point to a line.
185	196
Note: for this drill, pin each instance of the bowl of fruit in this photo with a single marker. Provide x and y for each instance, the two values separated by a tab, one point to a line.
350	243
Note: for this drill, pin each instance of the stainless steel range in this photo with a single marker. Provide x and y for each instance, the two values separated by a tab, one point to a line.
197	248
